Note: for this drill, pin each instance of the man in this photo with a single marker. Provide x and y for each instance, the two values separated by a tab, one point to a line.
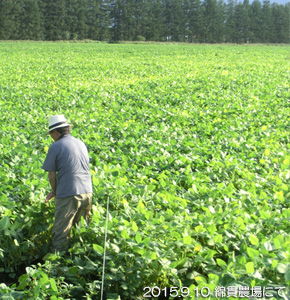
67	163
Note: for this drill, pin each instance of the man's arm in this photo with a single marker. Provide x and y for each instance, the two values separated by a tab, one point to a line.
52	182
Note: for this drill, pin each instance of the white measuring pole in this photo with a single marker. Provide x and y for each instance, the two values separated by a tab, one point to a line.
104	259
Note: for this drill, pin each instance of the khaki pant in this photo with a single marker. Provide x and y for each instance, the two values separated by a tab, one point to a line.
68	212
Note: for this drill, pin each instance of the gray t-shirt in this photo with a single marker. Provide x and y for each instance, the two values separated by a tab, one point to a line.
69	158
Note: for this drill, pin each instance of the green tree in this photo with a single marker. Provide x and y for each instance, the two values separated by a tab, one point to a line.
175	20
256	22
140	15
54	13
128	20
242	22
76	17
230	21
213	21
210	21
267	33
154	23
30	21
98	19
10	11
281	20
220	22
117	20
193	14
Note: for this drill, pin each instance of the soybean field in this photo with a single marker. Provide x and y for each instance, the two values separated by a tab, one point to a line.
190	160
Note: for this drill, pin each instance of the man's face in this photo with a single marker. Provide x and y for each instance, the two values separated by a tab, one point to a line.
54	134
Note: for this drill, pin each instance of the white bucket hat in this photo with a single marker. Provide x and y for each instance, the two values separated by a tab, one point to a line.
57	121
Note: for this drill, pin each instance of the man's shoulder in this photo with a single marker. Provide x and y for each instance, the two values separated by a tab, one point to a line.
72	139
65	139
69	141
59	144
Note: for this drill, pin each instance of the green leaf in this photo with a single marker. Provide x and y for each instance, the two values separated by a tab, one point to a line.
241	223
5	223
134	226
287	275
73	270
50	257
23	278
96	181
254	240
53	284
274	264
211	229
200	280
277	243
218	238
125	234
98	248
150	187
179	263
250	267
252	252
113	296
138	238
115	173
120	181
141	207
221	262
187	240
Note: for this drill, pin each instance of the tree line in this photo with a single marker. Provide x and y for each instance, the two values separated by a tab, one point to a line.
200	21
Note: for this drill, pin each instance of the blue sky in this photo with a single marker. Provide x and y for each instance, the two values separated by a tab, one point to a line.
279	1
271	1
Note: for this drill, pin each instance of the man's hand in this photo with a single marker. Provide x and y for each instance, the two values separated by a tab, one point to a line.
49	196
52	181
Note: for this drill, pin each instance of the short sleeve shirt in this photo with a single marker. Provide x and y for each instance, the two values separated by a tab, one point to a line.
69	157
